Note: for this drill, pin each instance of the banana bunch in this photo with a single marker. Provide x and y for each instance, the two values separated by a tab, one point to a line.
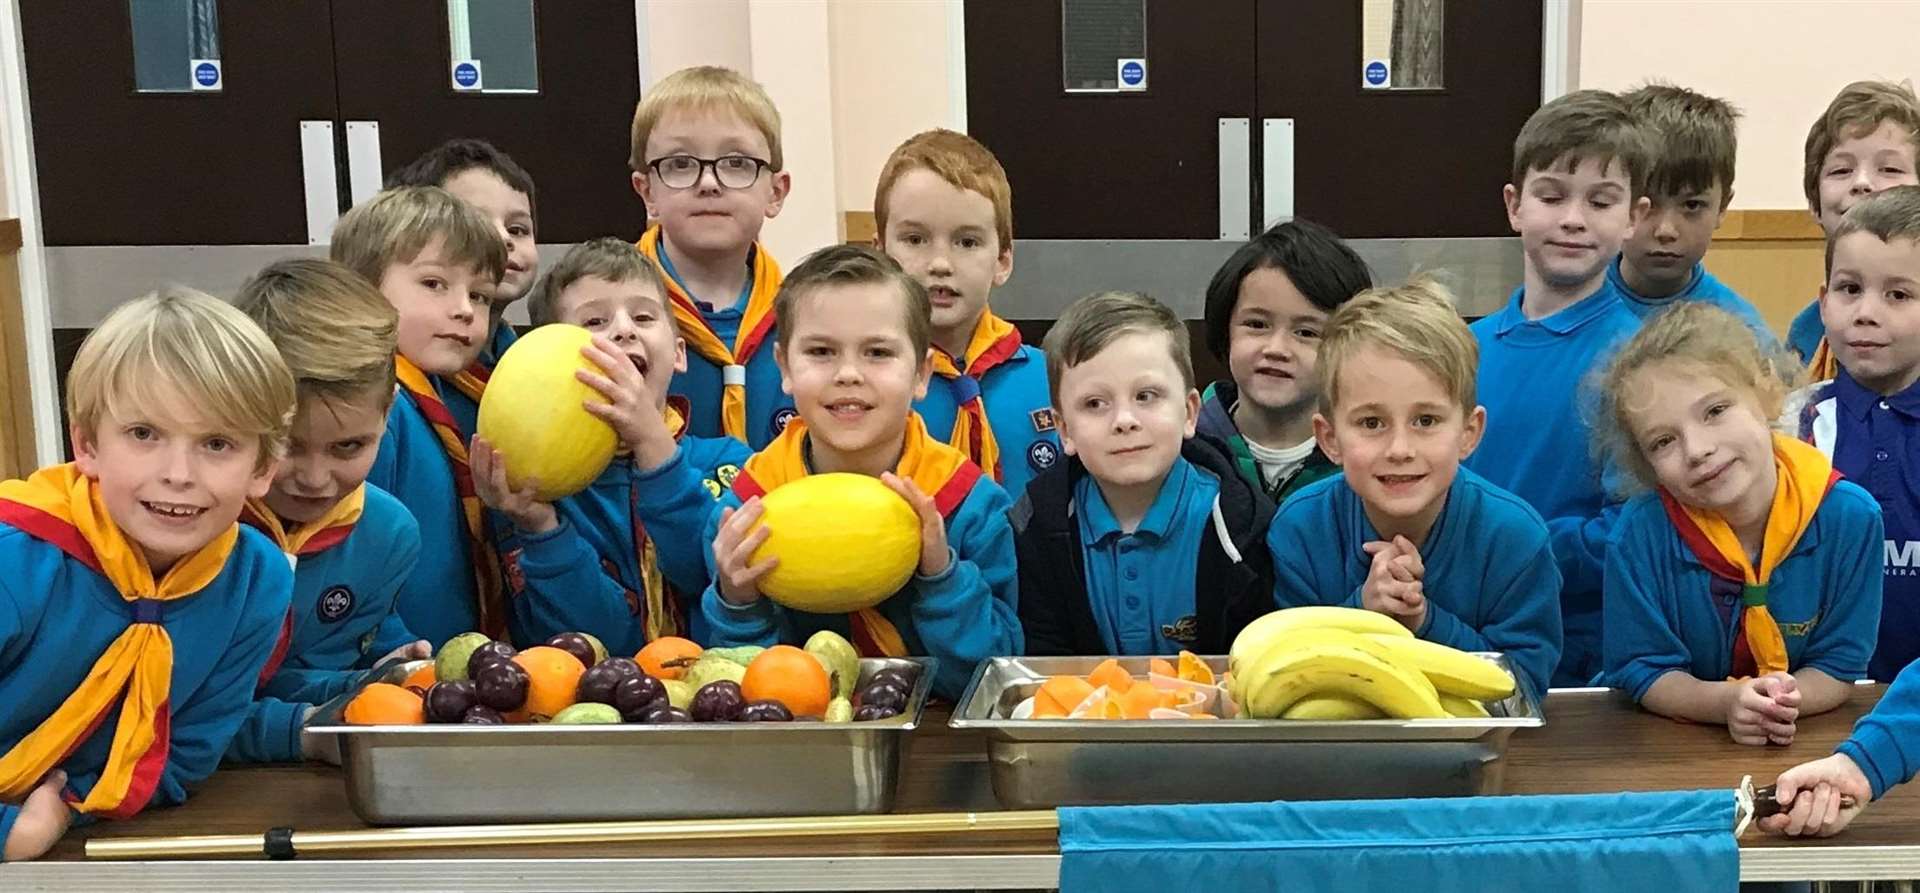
1331	663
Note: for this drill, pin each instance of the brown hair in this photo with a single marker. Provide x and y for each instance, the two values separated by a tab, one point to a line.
962	162
1859	108
841	265
1585	125
396	225
1095	321
1693	139
608	257
706	88
1887	215
1419	322
333	328
1706	339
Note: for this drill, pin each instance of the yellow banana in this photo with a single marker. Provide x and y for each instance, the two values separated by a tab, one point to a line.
1258	635
1324	661
1452	671
1464	708
1331	708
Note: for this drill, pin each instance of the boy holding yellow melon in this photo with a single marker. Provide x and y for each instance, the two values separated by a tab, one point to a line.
1146	541
591	562
854	352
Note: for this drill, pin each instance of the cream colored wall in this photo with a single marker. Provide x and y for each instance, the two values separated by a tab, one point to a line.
1780	61
891	80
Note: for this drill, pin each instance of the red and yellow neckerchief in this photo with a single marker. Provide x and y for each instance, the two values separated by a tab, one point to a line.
486	565
1802	478
937	469
663	612
1824	366
61	506
994	342
756	324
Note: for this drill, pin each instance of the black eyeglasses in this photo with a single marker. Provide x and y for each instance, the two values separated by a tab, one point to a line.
732	171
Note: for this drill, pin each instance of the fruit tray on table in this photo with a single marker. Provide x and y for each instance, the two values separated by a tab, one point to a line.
460	773
1043	763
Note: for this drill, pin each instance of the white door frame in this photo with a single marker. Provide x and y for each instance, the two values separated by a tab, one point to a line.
16	129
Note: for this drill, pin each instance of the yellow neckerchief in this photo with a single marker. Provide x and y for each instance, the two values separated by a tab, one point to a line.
312	538
63	507
994	341
663	618
756	323
489	588
940	471
1824	366
1803	475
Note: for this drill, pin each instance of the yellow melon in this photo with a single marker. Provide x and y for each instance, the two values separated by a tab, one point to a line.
532	413
845	542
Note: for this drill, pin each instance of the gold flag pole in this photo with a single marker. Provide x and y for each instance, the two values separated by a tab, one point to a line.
294	842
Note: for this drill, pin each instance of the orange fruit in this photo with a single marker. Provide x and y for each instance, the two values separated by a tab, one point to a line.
383	704
791	676
1160	666
1193	669
1109	674
655	657
422	679
1058	696
1138	702
552	678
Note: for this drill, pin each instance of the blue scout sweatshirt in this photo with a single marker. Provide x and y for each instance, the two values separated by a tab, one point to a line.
1019	410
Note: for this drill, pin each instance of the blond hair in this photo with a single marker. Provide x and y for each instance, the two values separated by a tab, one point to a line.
178	347
1886	215
1858	109
839	265
1416	321
1693	137
958	159
706	88
335	331
396	225
608	257
1709	341
1585	125
1097	320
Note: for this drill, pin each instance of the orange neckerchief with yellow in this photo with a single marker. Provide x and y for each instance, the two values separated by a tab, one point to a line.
486	566
1802	478
61	506
313	538
664	617
1824	366
937	469
756	323
994	341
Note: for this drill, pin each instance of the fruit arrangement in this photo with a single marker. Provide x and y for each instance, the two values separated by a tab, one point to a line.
1332	663
1182	690
570	680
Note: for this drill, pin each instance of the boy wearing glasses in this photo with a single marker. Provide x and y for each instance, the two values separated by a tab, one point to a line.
706	160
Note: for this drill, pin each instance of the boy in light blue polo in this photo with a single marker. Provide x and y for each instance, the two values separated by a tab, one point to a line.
1403	530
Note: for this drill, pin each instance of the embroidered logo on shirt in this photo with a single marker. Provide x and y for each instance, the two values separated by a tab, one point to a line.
1043	420
780	420
722	480
334	604
1042	454
1800	630
1186	630
366	641
516	578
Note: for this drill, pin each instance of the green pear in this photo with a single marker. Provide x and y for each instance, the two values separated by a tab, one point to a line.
679	692
839	710
450	665
839	657
711	668
739	654
587	715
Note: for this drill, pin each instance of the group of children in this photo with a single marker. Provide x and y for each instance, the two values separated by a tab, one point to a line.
1605	480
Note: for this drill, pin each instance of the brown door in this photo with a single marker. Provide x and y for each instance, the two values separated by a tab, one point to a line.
570	133
1375	163
118	166
1123	165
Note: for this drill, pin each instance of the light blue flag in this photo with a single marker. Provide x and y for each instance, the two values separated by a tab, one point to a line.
1607	843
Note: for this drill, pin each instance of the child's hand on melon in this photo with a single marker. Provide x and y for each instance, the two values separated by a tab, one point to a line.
630	408
489	470
735	573
934	554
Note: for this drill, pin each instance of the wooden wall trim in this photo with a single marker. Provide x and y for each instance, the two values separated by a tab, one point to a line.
1768	224
858	228
9	235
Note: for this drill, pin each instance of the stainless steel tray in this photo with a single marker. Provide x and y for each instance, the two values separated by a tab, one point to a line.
1045	763
432	774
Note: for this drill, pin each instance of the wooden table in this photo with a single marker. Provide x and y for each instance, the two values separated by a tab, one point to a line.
1593	742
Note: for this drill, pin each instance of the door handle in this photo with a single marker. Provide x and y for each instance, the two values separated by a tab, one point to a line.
363	160
1236	178
1276	171
321	180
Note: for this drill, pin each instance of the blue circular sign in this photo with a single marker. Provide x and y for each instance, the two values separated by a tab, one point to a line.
1376	73
466	74
1132	74
206	74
